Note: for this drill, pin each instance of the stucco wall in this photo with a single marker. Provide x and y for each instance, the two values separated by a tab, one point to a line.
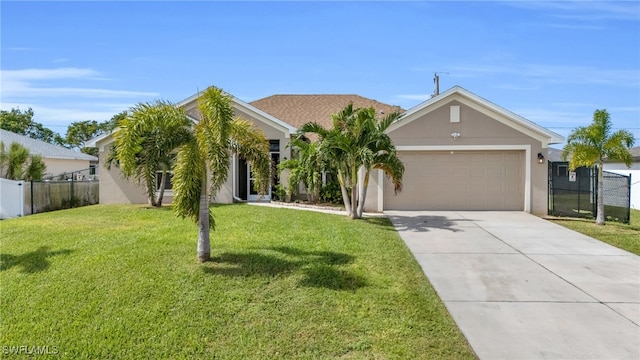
433	128
59	166
114	189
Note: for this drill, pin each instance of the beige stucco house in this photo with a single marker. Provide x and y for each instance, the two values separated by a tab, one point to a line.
59	160
461	152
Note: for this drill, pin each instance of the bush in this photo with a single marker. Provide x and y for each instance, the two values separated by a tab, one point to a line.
331	193
279	193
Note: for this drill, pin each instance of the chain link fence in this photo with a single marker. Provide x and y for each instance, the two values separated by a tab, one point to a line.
574	194
64	191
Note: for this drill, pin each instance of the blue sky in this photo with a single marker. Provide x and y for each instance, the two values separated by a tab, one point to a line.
552	62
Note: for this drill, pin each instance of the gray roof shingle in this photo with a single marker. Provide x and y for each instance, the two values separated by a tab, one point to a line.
46	150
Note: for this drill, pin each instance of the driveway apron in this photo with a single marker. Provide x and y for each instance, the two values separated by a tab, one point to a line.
521	287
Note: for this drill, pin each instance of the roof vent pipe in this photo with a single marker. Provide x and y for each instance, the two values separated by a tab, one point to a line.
436	81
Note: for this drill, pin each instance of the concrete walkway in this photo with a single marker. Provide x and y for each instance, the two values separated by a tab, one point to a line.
520	287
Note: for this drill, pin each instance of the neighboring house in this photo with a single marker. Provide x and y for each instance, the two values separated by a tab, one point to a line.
461	152
634	171
555	156
58	159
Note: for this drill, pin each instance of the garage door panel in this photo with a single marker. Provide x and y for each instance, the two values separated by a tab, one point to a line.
471	180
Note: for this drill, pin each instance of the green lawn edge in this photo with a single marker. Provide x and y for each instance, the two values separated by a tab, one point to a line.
122	282
623	236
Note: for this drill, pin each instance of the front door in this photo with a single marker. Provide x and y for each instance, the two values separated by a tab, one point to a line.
251	190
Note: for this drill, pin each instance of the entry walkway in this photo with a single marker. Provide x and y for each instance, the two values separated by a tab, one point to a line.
520	287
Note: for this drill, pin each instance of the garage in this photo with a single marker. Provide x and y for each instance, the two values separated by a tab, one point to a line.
460	180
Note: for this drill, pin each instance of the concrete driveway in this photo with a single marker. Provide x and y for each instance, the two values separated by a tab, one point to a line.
520	287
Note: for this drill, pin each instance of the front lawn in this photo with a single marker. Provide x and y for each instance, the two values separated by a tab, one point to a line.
122	282
624	236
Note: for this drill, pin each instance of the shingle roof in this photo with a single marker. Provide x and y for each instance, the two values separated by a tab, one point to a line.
46	150
297	110
555	155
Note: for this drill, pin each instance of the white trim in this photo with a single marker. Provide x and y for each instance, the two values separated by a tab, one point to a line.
527	155
380	190
454	113
257	113
234	168
283	126
484	106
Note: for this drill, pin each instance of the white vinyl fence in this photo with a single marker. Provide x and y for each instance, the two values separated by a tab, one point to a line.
11	198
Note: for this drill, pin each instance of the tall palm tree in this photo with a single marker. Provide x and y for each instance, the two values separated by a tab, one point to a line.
590	145
202	164
145	144
357	144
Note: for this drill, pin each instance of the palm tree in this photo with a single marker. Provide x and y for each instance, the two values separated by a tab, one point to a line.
590	145
202	164
306	166
145	144
18	164
356	144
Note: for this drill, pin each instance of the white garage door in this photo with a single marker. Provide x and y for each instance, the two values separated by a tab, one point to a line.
459	180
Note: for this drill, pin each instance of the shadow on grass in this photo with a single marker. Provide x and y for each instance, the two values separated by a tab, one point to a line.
31	262
320	268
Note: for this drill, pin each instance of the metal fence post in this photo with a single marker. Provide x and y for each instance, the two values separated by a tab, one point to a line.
629	200
71	192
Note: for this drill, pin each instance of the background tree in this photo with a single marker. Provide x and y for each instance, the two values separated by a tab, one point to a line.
146	144
114	122
79	132
22	123
17	164
356	144
590	145
202	165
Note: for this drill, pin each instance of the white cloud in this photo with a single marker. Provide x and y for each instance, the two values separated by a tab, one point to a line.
584	10
550	73
60	96
59	117
44	74
21	84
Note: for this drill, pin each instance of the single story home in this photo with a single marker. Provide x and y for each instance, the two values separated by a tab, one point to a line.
634	171
59	160
461	152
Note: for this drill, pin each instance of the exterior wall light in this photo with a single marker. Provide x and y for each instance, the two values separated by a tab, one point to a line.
455	135
540	158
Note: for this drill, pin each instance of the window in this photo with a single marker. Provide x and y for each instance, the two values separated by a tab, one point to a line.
274	145
562	170
168	184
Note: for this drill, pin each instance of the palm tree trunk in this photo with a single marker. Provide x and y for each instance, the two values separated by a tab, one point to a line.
600	197
151	192
363	183
354	192
163	181
345	194
204	246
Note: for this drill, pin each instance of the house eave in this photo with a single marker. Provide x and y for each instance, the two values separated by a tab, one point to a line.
545	136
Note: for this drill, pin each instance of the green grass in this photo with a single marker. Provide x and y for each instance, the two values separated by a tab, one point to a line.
624	236
569	204
122	282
